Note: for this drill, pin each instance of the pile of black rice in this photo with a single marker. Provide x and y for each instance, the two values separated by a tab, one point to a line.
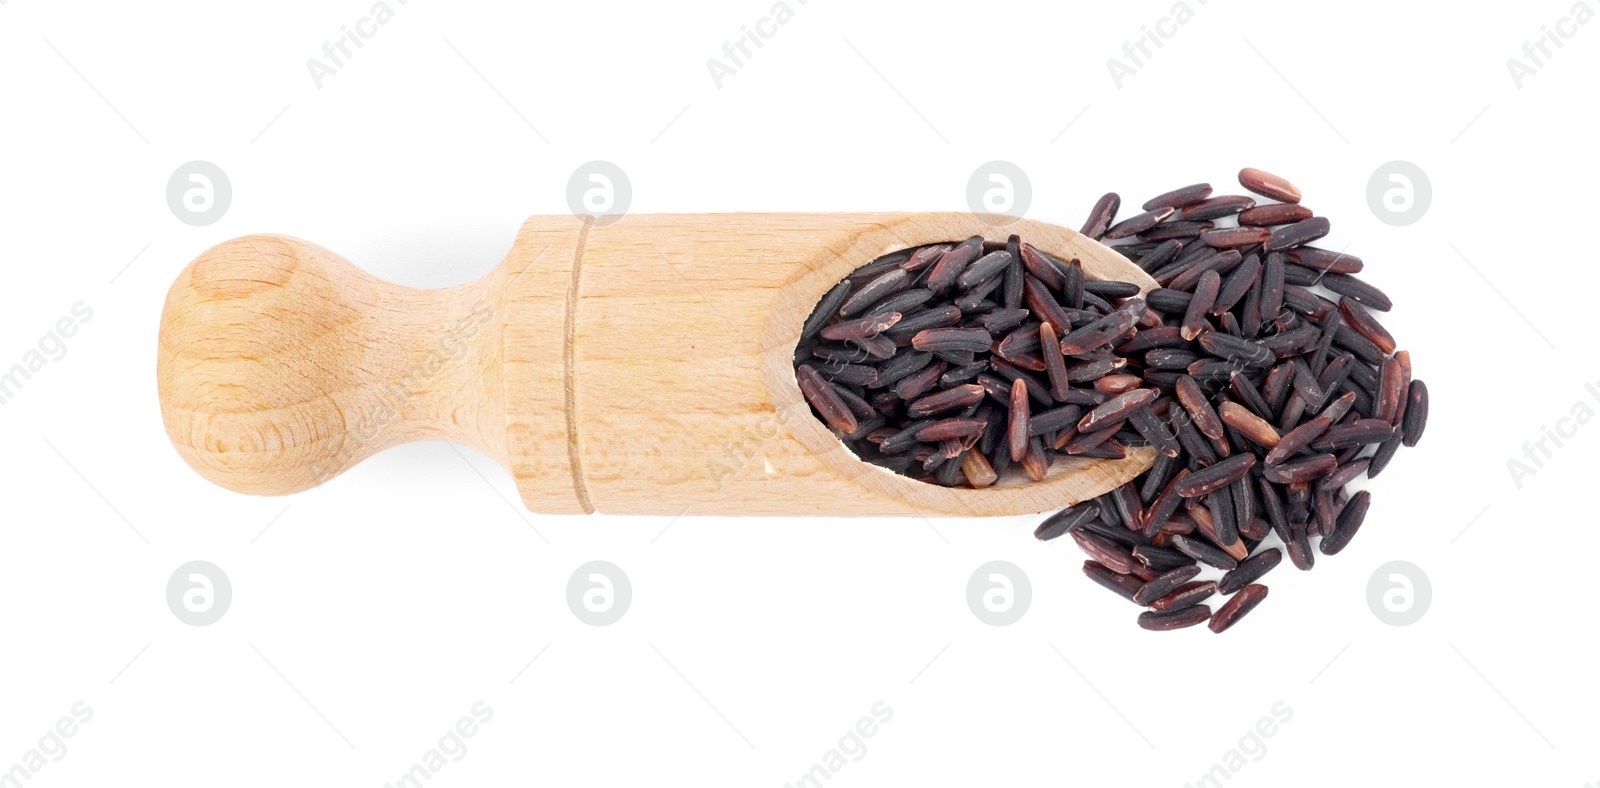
1257	371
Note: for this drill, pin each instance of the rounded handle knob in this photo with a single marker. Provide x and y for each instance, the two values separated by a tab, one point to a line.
281	365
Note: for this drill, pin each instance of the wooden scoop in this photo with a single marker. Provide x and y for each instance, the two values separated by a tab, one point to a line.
638	367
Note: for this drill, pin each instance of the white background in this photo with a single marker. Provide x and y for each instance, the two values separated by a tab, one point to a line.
375	611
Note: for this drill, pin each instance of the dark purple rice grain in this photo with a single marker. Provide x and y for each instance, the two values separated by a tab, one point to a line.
1241	351
1347	338
1176	230
872	270
1250	570
1208	480
1325	260
1301	300
920	382
1268	185
1170	358
862	328
1000	321
1103	331
1299	275
1347	472
1298	546
1189	437
1235	237
1101	216
1250	313
986	267
1135	251
851	374
1109	554
1252	427
1066	521
1193	399
1127	503
825	310
943	273
943	429
1140	223
1116	409
1237	285
886	284
948	399
1385	453
1179	197
1349	522
1299	438
1037	391
1121	584
1304	470
1305	384
1301	232
1163	253
1162	558
924	257
1272	285
1108	527
963	374
1107	288
1017	424
1236	608
956	357
1074	296
1055	366
1185	276
1174	619
1164	584
1109	522
855	403
903	364
975	339
1362	322
1172	302
1415	419
1155	431
1243	389
1082	442
1161	471
977	299
1358	291
1335	372
1325	508
876	348
1205	295
1206	553
1358	433
1164	506
1394	384
1224	531
1274	213
1054	420
1185	596
1254	532
1215	207
825	399
1042	304
1023	340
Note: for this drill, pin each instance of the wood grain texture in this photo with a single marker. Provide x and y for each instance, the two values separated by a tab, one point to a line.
641	367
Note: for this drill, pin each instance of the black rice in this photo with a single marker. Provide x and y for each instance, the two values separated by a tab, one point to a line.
1258	372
